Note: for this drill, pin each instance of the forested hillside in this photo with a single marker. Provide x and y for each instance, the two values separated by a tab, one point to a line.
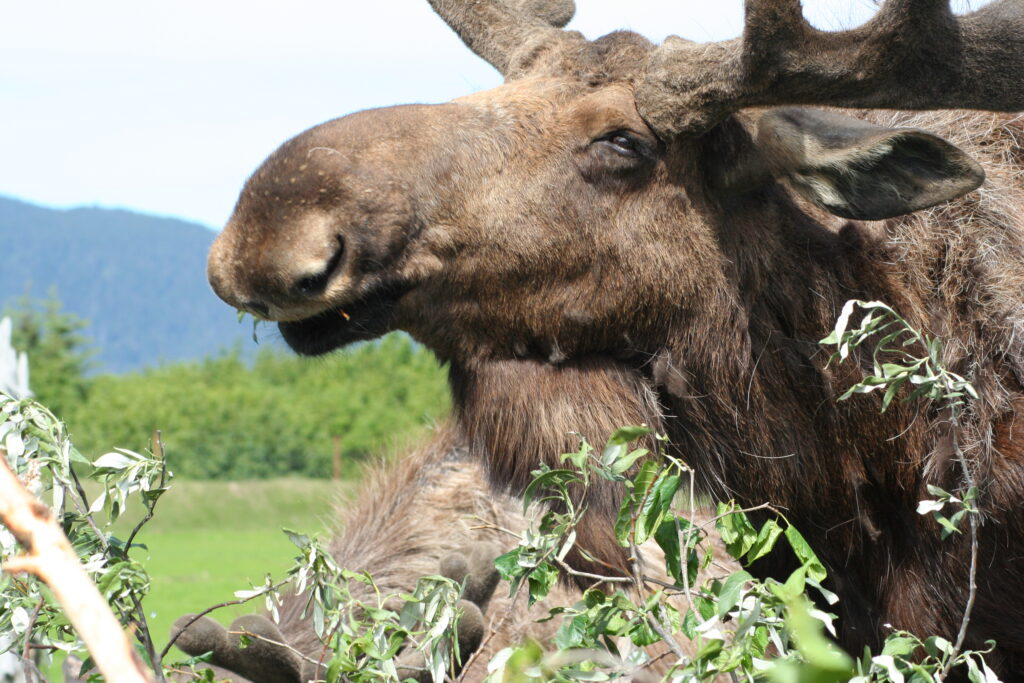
139	280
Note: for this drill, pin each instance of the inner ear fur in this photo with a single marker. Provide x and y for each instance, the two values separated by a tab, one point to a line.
855	169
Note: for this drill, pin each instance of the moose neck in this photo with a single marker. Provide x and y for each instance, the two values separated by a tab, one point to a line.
737	369
730	352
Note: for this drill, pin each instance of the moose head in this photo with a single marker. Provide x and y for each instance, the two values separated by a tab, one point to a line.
626	232
547	197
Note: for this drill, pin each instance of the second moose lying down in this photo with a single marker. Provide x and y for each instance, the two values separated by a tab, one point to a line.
419	516
607	239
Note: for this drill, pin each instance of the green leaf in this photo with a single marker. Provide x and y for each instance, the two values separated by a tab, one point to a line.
624	521
792	588
297	539
551	478
948	526
815	568
579	458
738	534
626	435
825	662
508	564
625	462
656	505
889	393
732	590
617	449
765	541
667	538
632	501
540	581
897	645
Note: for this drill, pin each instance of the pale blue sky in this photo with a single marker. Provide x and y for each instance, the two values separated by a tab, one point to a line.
167	107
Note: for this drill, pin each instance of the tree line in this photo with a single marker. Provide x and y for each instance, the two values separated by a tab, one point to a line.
232	417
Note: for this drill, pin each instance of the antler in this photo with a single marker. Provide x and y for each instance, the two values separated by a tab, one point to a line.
914	54
509	34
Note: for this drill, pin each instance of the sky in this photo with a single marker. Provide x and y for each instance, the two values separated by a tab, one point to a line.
167	107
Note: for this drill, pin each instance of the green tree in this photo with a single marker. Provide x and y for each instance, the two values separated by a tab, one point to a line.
57	354
228	417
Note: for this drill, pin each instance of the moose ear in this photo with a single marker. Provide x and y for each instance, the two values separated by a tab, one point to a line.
856	169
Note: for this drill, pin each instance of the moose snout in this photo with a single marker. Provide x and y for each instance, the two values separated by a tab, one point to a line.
279	286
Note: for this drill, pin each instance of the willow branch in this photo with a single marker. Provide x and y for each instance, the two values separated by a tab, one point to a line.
972	586
50	558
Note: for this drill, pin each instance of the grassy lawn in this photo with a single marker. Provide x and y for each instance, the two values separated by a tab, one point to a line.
209	539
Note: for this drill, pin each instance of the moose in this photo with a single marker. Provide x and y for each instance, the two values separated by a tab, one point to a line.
629	233
422	515
429	512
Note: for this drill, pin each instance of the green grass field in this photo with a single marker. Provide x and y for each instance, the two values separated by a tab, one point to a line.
209	539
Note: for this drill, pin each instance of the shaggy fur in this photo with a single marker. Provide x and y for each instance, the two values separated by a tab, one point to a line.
578	272
407	518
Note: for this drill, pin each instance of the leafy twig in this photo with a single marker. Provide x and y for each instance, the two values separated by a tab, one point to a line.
50	557
932	381
271	641
972	585
158	453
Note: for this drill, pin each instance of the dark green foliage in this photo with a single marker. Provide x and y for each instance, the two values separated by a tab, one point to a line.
225	418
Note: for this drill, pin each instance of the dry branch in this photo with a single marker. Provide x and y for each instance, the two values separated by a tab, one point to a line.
49	557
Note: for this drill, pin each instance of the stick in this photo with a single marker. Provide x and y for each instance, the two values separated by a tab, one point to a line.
214	608
50	558
26	651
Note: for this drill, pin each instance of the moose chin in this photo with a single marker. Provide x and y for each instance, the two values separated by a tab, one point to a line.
631	233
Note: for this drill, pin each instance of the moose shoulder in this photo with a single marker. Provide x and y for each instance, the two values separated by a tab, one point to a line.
626	233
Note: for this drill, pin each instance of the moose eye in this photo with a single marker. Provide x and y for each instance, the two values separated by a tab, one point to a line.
622	143
620	159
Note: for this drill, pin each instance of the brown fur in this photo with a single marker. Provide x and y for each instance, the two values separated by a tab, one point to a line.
574	288
407	518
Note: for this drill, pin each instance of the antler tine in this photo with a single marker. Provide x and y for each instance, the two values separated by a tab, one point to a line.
509	34
914	54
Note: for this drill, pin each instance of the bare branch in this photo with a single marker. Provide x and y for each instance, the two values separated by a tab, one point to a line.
598	579
277	643
26	652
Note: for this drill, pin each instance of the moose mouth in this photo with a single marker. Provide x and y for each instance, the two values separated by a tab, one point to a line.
366	318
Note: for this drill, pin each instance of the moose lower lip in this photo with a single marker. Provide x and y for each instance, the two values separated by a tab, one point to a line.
367	318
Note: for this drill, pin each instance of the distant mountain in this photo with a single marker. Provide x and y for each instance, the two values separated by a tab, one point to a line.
139	280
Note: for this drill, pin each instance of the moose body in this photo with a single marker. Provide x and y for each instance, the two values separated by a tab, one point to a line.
627	233
409	520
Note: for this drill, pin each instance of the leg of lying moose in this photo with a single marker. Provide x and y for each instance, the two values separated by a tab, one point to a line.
268	658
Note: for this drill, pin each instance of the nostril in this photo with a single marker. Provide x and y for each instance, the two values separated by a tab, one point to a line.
257	308
311	285
314	284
